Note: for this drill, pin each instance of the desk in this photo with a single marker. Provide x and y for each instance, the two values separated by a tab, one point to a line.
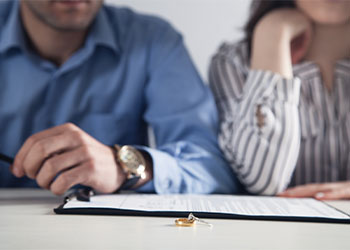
27	221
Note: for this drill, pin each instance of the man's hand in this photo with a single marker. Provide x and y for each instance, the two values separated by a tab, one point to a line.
326	191
63	156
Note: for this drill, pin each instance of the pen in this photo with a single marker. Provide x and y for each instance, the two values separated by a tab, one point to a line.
6	158
81	194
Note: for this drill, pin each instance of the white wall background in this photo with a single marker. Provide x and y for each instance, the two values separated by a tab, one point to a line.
205	24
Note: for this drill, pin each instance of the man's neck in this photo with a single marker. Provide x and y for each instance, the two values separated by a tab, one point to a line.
51	44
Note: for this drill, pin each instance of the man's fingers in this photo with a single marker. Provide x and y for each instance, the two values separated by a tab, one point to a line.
45	149
64	156
48	147
59	163
77	175
31	141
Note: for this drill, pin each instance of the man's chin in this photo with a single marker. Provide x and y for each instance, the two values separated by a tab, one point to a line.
63	15
71	15
70	27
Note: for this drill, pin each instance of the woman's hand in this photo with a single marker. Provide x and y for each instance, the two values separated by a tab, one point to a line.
326	191
281	39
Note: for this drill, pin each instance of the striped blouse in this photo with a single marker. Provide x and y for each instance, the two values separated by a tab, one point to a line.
306	133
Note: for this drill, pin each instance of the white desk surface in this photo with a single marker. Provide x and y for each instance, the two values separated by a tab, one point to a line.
27	221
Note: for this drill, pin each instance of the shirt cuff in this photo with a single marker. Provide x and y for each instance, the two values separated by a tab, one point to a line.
146	188
266	85
164	168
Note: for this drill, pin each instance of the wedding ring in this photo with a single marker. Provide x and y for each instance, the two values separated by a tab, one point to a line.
190	221
184	222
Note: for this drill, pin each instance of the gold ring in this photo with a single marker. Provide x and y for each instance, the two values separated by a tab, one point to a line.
184	222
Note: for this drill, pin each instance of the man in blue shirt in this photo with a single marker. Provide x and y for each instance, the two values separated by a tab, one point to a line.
77	77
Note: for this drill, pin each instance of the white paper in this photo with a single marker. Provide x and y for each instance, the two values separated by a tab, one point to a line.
226	204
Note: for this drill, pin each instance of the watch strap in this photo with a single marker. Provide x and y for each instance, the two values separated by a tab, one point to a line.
129	183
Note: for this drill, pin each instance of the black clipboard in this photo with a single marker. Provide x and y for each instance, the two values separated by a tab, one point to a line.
85	194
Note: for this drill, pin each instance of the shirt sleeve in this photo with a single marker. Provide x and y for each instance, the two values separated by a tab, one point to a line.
264	157
182	113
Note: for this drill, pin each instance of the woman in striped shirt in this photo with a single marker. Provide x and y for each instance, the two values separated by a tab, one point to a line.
284	99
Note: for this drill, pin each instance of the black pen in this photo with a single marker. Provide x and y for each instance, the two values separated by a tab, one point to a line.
6	158
81	194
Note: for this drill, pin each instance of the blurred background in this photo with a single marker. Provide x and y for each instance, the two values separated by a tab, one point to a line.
205	24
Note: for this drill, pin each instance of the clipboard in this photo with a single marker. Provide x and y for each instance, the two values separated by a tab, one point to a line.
204	206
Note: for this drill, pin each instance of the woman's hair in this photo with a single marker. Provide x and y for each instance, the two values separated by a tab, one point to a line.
260	8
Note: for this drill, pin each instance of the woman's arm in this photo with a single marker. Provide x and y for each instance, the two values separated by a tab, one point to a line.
262	152
280	40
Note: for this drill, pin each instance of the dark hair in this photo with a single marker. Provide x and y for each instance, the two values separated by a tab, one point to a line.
260	8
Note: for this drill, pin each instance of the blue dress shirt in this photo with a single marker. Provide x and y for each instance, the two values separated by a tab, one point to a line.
132	73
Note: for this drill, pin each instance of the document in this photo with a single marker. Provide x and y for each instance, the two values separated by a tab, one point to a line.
213	206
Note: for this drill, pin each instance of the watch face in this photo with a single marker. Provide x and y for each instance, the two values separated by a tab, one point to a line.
132	159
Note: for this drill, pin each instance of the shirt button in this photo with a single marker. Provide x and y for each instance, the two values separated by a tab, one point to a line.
167	183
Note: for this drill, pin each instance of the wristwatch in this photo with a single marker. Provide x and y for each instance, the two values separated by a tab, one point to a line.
132	162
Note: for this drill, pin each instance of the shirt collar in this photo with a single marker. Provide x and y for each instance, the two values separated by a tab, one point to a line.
13	35
342	67
308	70
101	32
